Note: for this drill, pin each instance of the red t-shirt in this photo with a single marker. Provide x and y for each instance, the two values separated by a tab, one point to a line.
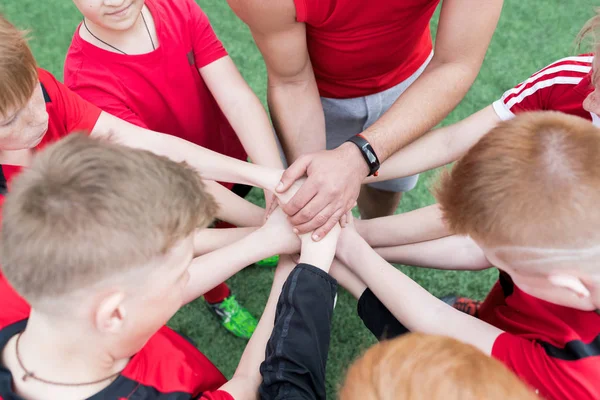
162	90
561	86
167	367
358	48
67	112
555	349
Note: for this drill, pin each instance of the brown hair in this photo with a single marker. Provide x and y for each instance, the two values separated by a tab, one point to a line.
18	69
531	181
426	367
87	209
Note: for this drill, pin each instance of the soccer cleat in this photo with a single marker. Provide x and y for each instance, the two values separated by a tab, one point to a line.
235	318
464	304
268	262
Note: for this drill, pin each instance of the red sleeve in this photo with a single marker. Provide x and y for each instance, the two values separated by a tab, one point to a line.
553	378
78	114
541	91
207	46
217	395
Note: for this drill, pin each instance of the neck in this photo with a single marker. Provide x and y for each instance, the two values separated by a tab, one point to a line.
58	351
132	41
16	157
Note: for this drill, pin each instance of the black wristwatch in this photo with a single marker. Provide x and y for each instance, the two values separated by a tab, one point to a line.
367	152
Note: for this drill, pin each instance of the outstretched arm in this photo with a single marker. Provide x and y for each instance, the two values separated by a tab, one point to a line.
400	295
411	227
451	253
208	270
209	164
233	208
438	147
246	379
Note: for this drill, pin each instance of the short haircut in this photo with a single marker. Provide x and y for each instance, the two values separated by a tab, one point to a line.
18	69
531	181
417	366
88	209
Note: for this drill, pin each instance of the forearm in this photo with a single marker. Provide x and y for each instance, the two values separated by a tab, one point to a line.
298	117
244	111
209	164
450	253
247	378
400	294
424	104
411	227
209	270
438	147
296	354
211	239
233	208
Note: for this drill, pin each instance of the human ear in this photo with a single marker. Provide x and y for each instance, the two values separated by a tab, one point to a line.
571	283
110	313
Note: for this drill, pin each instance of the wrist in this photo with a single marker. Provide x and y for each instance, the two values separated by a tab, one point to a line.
267	178
352	152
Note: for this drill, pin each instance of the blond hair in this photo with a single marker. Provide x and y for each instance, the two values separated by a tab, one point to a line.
88	209
426	367
591	33
18	69
531	181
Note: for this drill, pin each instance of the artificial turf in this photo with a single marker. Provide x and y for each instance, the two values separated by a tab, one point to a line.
531	34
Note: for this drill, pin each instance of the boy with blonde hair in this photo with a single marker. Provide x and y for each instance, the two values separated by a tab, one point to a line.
101	268
524	197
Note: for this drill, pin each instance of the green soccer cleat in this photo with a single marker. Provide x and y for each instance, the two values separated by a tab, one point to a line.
235	318
269	262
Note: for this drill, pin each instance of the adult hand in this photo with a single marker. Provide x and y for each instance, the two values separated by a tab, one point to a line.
330	191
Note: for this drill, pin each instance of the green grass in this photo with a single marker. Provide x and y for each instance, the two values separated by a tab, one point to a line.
531	34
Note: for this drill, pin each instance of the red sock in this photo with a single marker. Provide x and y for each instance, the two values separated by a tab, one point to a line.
217	294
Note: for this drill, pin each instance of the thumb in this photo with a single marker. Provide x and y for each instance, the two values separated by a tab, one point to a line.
294	172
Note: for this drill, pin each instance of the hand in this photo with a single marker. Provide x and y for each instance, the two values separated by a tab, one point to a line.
348	236
270	204
278	233
332	187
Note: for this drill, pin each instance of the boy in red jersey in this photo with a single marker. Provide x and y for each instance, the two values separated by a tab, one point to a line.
338	68
159	65
100	270
524	197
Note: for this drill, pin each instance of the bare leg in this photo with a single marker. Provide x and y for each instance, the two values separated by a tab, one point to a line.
375	203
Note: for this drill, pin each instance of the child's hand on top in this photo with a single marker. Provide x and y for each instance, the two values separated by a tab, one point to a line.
321	253
278	233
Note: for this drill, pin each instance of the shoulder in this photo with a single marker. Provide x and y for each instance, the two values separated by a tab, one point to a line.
14	307
171	363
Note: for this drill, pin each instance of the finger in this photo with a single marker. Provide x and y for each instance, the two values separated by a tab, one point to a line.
324	230
294	172
305	194
312	209
320	218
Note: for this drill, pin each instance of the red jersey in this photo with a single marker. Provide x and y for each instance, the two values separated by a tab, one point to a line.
358	48
167	367
561	86
555	349
67	112
162	90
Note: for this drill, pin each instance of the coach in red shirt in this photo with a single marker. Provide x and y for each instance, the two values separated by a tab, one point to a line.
338	68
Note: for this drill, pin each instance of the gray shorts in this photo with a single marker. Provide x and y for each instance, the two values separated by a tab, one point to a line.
345	118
